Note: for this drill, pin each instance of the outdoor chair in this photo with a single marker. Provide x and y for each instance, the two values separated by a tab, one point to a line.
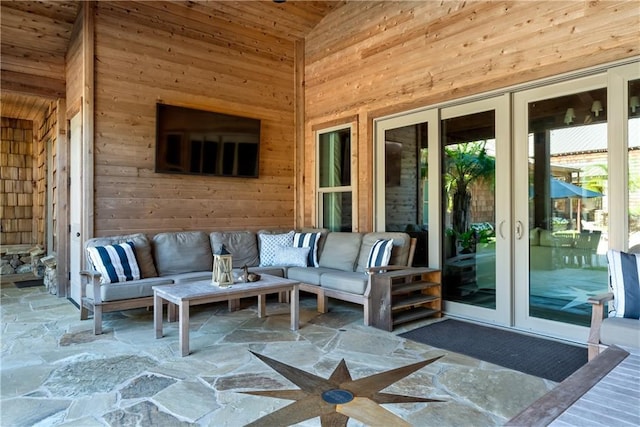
622	326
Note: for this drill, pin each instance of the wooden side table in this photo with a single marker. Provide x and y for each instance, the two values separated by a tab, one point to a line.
405	295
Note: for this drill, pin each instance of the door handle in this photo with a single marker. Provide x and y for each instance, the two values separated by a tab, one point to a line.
500	229
78	234
519	230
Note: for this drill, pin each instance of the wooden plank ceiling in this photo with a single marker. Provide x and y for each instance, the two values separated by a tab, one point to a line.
35	36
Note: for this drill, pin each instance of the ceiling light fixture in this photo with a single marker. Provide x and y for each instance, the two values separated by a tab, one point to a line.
596	107
569	116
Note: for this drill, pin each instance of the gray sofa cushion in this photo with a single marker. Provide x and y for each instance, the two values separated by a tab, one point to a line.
308	275
399	254
142	250
192	276
341	251
129	290
620	331
182	252
243	246
272	270
352	282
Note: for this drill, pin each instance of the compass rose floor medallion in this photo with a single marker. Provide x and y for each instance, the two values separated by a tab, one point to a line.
337	398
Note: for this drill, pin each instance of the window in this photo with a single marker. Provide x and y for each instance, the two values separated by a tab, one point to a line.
335	201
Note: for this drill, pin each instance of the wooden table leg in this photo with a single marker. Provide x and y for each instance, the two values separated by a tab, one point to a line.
184	328
157	314
262	305
295	308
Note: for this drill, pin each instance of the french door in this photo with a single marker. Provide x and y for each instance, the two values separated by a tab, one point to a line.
571	142
419	162
475	209
512	196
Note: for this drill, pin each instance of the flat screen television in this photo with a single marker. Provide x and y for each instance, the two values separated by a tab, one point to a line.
200	142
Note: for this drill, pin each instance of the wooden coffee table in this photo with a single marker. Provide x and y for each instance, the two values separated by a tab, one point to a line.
185	295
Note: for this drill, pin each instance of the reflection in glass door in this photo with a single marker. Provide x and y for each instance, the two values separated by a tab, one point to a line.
566	176
406	194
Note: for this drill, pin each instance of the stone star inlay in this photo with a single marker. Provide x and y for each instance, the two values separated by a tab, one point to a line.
337	398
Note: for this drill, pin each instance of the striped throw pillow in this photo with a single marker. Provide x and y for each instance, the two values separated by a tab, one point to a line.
380	253
116	263
624	274
308	240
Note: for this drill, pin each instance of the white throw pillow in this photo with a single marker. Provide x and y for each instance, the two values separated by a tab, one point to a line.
270	244
116	263
291	256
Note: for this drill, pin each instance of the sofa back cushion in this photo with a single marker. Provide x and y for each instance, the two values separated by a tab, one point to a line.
142	249
399	253
341	251
182	252
243	246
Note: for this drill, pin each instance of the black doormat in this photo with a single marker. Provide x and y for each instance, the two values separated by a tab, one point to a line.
540	357
29	283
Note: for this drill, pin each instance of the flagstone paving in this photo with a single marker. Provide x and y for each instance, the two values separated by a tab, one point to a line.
55	372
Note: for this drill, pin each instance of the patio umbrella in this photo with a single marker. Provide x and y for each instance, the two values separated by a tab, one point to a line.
562	190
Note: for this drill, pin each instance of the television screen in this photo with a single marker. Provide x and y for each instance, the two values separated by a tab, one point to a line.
202	142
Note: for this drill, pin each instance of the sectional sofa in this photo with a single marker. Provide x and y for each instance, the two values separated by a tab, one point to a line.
327	264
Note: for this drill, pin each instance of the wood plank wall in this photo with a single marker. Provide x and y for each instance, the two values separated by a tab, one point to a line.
149	52
371	59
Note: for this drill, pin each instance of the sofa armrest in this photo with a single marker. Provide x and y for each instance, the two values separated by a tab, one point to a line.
600	299
597	314
93	277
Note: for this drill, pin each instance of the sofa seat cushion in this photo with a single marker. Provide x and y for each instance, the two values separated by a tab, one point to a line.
399	253
243	246
192	276
273	270
308	275
346	281
620	331
182	252
129	290
341	251
142	249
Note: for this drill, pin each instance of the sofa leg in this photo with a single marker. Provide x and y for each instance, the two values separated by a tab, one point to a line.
592	351
234	304
97	320
283	297
84	312
323	303
367	311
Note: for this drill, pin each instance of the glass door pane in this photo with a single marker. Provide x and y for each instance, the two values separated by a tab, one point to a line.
469	208
406	193
567	210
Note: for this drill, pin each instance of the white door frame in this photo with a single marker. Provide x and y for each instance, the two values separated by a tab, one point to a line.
75	206
381	126
502	314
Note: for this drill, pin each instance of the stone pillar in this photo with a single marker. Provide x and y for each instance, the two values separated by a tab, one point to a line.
36	266
50	277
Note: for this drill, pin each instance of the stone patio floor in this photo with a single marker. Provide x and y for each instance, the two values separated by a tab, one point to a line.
55	372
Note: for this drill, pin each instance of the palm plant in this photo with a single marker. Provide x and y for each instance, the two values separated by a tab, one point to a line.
465	164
